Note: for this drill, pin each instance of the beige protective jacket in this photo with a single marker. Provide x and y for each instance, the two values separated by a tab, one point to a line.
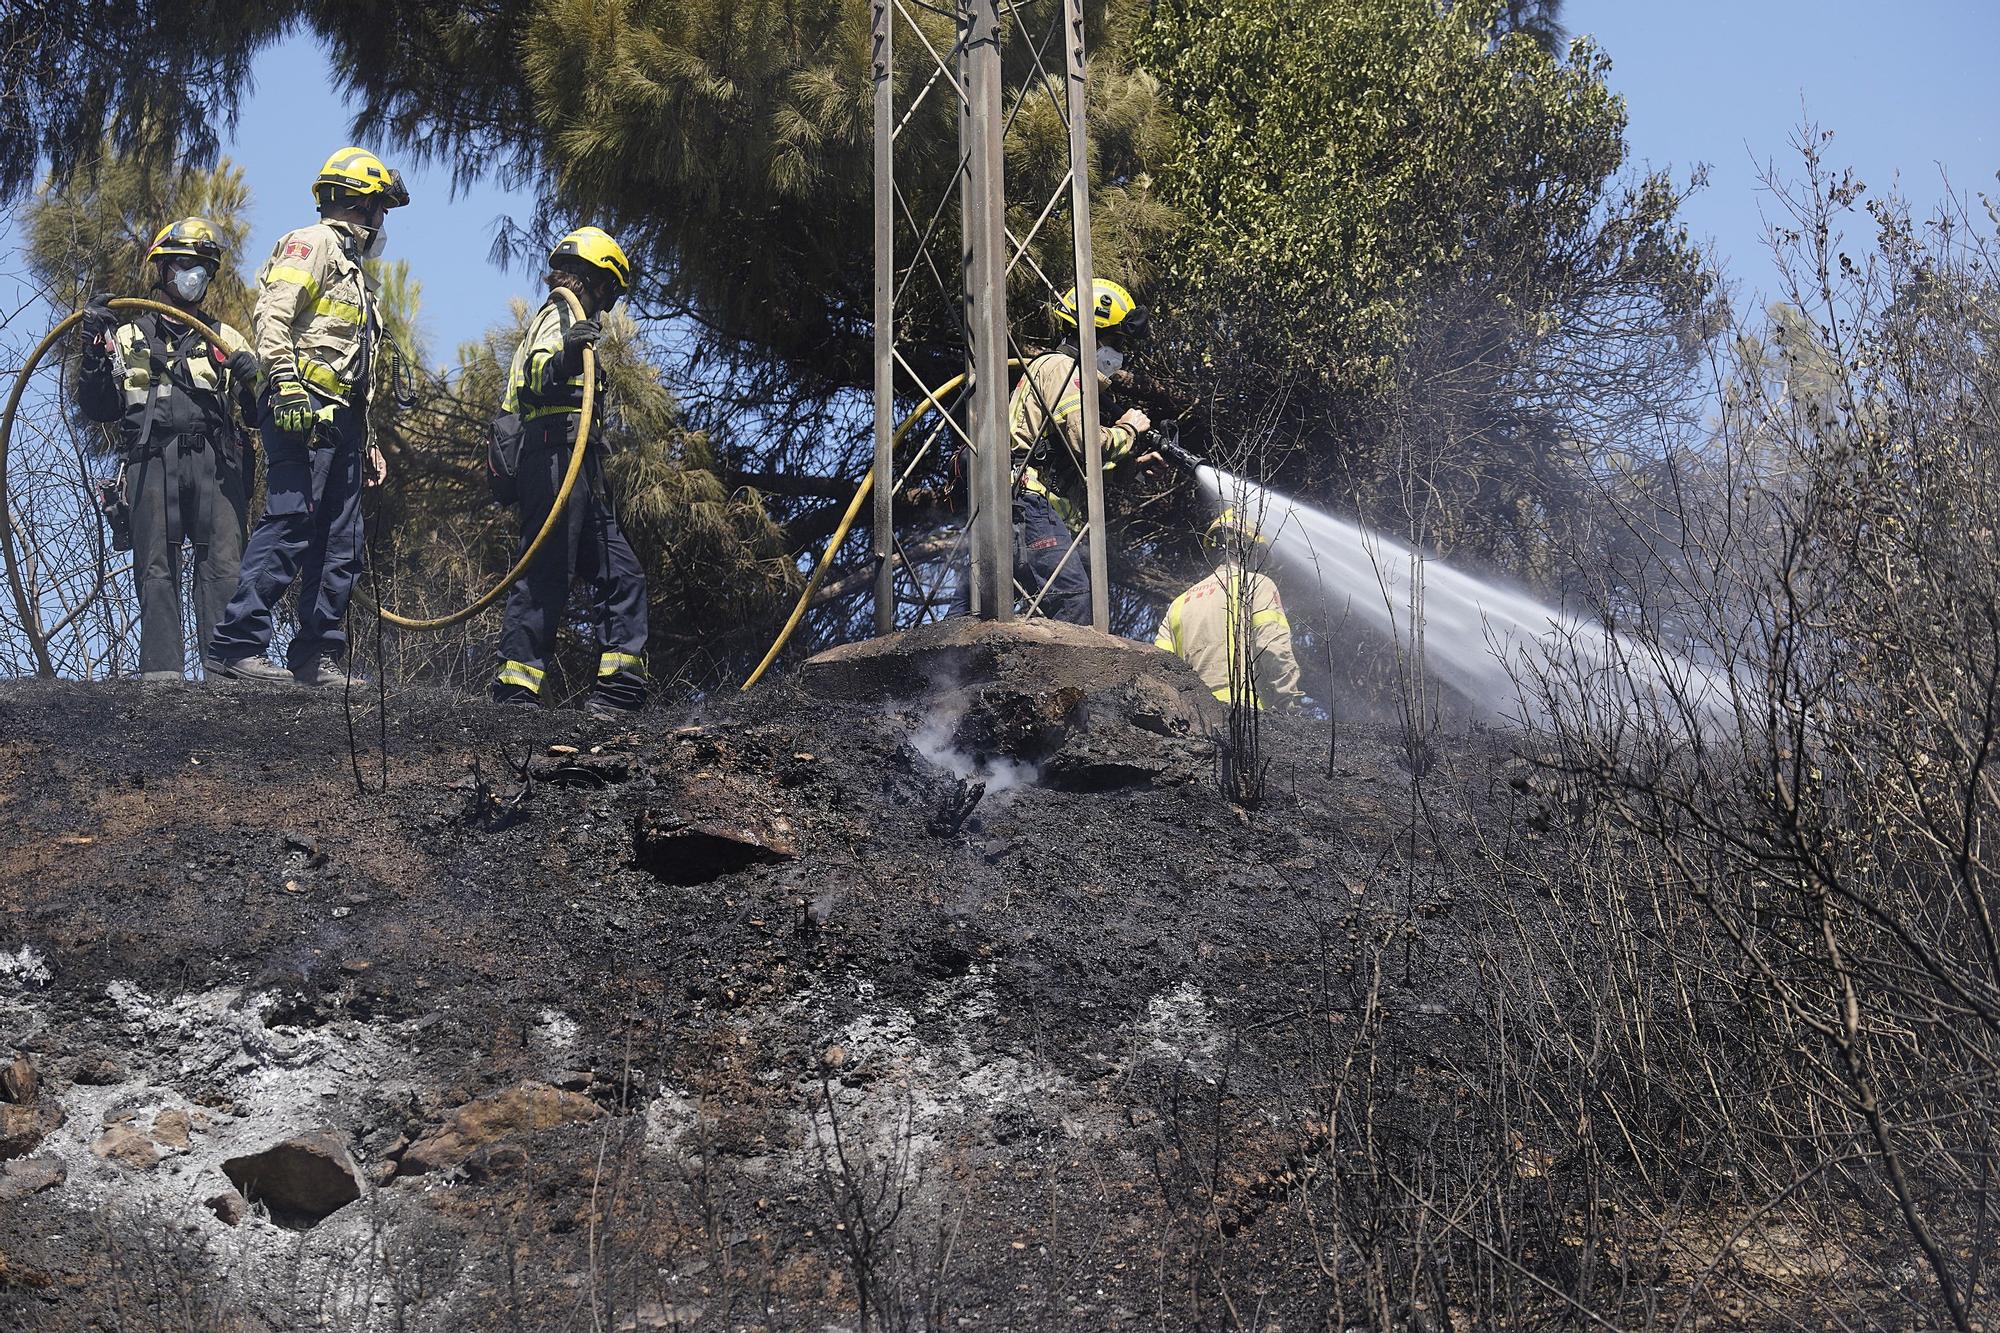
1048	400
316	309
1202	625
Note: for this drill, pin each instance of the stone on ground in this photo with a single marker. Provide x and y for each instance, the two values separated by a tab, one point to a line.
302	1180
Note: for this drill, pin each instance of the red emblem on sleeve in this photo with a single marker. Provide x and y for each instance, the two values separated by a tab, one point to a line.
296	250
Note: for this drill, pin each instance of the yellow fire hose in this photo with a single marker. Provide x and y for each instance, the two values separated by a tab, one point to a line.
30	623
847	523
499	590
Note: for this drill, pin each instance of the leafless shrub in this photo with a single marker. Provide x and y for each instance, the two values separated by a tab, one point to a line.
900	1282
1789	900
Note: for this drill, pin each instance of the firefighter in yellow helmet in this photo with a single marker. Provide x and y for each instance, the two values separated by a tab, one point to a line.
1231	626
1045	433
319	338
180	405
545	393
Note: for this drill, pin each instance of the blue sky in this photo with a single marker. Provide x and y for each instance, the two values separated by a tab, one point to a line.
289	124
1905	89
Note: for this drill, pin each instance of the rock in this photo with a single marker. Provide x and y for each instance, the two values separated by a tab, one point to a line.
684	850
22	1128
955	652
384	1141
127	1147
170	1130
585	770
28	1176
301	1180
97	1070
230	1206
20	1081
478	1125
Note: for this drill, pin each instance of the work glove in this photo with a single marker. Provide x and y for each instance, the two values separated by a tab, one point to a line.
583	333
98	317
242	363
292	408
1136	421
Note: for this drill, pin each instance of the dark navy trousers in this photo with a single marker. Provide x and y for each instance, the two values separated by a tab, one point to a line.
587	546
308	537
1041	539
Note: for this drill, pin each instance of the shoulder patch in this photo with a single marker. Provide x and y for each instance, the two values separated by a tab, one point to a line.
296	249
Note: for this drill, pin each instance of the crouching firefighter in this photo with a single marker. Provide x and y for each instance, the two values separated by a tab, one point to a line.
179	403
1045	436
544	395
319	339
1231	626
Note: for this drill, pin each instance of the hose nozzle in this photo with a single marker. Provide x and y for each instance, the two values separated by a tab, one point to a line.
1167	440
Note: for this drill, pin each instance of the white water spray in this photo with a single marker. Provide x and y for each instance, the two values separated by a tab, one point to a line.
1480	638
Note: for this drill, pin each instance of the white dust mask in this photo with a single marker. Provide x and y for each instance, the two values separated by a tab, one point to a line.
189	283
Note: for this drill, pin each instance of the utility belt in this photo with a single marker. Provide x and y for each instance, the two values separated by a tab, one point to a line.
555	427
153	444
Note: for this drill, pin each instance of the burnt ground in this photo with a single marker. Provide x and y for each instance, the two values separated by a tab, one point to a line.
769	1027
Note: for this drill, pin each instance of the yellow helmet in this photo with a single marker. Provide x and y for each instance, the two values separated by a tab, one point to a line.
1229	521
1113	306
594	246
193	237
358	173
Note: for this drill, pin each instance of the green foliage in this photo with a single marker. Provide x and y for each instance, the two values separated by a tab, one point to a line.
715	563
728	146
161	80
92	234
1406	231
1335	157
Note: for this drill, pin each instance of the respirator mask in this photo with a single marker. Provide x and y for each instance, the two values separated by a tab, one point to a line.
189	283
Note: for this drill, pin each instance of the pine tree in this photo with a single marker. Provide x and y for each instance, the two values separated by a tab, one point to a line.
92	234
162	80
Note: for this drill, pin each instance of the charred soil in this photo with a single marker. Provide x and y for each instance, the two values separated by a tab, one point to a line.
908	994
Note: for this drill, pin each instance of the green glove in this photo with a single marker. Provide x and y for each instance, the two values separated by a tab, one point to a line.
291	408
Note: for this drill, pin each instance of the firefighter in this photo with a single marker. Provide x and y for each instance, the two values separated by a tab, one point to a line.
1045	434
545	391
185	463
1205	627
319	339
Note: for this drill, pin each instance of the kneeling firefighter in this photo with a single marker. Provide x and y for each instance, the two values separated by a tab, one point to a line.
1231	627
1045	437
186	458
544	394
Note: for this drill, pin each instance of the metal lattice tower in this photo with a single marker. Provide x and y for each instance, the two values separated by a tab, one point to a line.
1046	33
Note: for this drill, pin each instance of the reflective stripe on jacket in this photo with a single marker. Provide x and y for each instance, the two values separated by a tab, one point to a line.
129	382
1201	627
1048	400
535	387
316	309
